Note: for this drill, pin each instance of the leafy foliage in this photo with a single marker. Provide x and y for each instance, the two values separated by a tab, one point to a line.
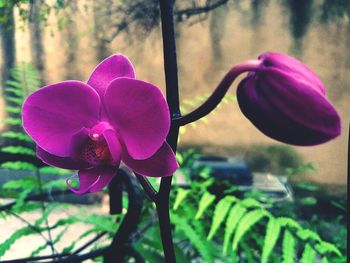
24	79
17	145
242	228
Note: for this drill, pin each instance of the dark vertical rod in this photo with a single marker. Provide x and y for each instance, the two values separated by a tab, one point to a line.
172	95
169	53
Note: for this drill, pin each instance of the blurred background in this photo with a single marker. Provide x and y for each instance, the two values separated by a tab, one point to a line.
62	40
68	43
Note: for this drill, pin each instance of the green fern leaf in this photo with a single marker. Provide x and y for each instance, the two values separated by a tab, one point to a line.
13	110
18	101
18	150
233	218
305	234
246	223
45	215
196	240
39	249
29	182
288	247
5	246
13	121
16	135
325	247
20	201
309	254
206	200
272	233
14	91
69	248
103	223
181	195
18	166
325	260
16	85
220	212
251	203
288	222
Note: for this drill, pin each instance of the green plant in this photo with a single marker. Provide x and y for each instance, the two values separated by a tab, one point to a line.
17	149
232	229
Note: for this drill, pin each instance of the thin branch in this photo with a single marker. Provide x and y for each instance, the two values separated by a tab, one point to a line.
89	243
147	186
36	229
43	208
219	93
181	14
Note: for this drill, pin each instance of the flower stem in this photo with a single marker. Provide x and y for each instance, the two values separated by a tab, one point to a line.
172	95
219	93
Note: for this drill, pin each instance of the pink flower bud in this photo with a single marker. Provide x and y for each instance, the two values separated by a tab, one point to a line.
286	100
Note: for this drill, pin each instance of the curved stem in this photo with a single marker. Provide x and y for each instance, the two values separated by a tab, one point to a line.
219	93
121	240
172	96
147	187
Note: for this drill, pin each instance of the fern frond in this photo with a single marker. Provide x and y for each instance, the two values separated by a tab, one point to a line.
28	182
14	91
18	101
288	247
206	200
18	150
309	254
44	216
288	222
272	234
39	249
18	165
305	234
13	110
220	212
246	223
5	246
196	240
13	121
16	135
325	247
233	218
251	203
15	85
180	196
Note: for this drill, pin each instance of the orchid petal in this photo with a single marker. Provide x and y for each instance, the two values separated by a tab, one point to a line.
162	163
54	114
140	114
61	162
93	180
113	145
113	67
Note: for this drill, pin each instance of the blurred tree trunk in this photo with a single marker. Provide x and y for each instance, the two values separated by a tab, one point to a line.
36	38
7	38
217	30
70	38
102	20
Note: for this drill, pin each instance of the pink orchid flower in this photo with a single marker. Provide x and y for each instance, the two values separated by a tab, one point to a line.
93	127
